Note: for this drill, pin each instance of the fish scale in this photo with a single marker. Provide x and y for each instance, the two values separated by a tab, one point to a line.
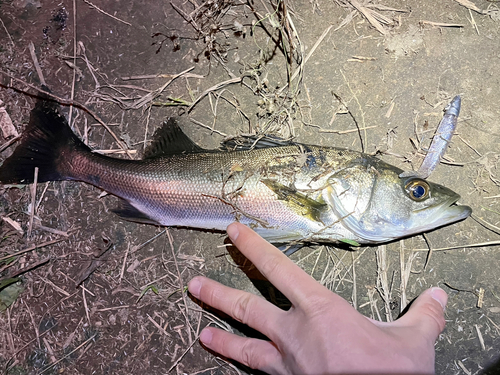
181	189
286	191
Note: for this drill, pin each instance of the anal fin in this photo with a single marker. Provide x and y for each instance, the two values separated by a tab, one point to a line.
128	212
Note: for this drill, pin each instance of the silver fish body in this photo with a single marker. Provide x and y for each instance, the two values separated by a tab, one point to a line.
289	192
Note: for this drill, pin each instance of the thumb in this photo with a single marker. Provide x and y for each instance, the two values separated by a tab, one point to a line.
427	313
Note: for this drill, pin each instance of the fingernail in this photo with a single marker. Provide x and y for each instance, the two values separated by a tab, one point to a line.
440	295
194	287
232	231
206	337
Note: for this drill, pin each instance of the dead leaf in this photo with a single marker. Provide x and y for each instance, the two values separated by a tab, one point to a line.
99	258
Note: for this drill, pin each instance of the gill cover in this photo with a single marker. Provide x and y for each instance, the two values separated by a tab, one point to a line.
349	195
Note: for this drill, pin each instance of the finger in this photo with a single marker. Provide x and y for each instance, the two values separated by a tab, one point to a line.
285	275
426	313
245	307
254	353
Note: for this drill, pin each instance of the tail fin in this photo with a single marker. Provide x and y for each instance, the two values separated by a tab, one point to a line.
45	143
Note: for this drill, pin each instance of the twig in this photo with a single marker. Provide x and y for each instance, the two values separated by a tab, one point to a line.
7	32
486	224
368	13
468	144
85	306
41	198
441	24
482	244
187	17
340	132
480	336
9	142
462	366
182	355
317	259
382	281
155	281
37	338
494	324
181	284
354	287
89	65
31	47
301	67
160	328
124	264
154	94
215	88
35	326
373	303
146	128
60	290
69	102
405	274
31	248
431	250
30	268
362	59
49	349
135	248
10	337
14	224
106	13
352	116
33	201
69	354
470	5
480	298
208	127
113	308
151	76
473	22
73	80
114	151
81	286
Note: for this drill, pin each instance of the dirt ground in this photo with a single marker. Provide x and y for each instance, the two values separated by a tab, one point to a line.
224	68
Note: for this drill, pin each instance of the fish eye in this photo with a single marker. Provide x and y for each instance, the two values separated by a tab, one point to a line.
418	190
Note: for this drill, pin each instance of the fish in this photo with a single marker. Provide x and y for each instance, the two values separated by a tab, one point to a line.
288	192
440	141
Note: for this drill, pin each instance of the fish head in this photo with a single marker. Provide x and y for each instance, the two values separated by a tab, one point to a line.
376	205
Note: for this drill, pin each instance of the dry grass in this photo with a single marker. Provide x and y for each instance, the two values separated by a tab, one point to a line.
112	297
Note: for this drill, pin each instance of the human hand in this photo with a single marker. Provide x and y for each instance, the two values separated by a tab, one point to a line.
321	333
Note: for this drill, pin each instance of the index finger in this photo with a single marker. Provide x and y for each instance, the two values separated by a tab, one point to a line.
275	266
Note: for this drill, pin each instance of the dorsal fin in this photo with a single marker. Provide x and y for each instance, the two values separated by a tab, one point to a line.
254	141
169	139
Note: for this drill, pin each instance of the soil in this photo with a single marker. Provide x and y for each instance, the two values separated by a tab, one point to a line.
131	315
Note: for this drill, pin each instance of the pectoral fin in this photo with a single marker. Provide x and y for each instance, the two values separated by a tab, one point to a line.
297	201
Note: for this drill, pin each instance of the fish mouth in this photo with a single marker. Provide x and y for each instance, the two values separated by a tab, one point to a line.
456	212
446	213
